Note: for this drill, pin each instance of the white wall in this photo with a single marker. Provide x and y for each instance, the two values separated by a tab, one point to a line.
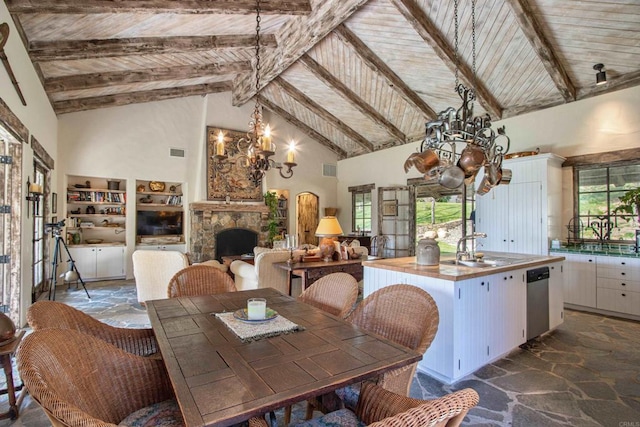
133	142
604	123
40	120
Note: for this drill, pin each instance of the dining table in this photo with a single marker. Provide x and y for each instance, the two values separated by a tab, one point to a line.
225	368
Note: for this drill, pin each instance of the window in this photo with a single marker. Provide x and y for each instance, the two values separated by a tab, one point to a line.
361	208
598	192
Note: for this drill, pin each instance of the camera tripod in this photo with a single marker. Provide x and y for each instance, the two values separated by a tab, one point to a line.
57	256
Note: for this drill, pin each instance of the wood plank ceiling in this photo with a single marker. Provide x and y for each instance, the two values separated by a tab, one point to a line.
355	75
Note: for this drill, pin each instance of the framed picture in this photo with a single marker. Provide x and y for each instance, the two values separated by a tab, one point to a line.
54	203
232	181
54	219
390	208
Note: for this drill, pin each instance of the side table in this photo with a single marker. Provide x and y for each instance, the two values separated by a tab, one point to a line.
6	352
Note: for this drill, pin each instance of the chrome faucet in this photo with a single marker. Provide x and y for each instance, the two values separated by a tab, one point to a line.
460	253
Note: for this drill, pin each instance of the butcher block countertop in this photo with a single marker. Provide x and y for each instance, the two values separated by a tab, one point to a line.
446	270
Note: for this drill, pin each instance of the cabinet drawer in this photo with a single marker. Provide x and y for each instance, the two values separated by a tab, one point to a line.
619	301
619	284
616	261
619	272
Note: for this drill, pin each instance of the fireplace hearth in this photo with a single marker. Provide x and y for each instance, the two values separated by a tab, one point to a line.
209	219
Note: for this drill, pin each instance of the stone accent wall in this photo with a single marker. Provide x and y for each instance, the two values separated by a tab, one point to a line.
207	219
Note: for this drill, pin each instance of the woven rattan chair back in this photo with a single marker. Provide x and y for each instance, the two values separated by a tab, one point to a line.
83	381
404	314
200	280
53	314
381	408
335	293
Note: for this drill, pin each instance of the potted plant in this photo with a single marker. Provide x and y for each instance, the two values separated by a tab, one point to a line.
630	203
271	200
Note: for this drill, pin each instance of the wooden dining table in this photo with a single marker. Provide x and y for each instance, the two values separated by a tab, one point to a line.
220	380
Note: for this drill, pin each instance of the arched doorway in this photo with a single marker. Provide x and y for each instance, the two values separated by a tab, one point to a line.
307	218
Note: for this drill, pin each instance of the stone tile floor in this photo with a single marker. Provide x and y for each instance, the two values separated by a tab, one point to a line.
585	373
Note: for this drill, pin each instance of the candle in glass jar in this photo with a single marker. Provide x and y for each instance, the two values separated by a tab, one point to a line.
291	153
256	308
266	139
220	144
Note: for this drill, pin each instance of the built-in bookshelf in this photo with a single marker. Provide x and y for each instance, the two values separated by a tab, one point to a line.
96	212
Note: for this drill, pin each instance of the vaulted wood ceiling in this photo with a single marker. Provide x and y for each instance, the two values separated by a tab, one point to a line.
356	75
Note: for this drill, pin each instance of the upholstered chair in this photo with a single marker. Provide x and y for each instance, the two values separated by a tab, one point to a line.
262	274
200	280
53	314
153	270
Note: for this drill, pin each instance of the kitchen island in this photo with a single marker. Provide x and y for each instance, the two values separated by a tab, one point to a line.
483	309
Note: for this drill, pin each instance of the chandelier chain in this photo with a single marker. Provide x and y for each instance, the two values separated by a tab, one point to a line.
258	19
455	20
473	40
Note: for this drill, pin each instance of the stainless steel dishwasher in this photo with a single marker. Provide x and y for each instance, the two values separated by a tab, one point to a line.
537	302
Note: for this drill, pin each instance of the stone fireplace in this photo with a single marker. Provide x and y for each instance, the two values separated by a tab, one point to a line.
208	219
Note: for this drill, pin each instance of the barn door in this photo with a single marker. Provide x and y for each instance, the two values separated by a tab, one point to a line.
396	220
307	208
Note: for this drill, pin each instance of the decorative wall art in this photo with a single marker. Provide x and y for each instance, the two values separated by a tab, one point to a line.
235	183
389	208
54	203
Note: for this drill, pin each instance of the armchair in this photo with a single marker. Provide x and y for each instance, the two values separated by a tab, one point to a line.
262	274
153	270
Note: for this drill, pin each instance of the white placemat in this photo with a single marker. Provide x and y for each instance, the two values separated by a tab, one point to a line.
252	331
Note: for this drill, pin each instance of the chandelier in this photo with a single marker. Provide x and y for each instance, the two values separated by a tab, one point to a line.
480	146
256	147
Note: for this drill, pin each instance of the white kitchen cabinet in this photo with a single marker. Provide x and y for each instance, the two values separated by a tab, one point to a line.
618	284
470	311
556	294
507	312
580	279
523	216
99	262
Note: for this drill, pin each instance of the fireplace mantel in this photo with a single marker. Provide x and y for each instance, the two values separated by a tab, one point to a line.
231	207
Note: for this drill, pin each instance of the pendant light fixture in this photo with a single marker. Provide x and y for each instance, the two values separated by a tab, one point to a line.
257	147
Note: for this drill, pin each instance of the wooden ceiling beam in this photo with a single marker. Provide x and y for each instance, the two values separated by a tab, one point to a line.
315	108
241	7
533	31
294	121
98	80
63	50
360	104
301	34
434	38
375	63
83	104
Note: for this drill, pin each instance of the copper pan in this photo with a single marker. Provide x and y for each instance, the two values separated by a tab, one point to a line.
506	177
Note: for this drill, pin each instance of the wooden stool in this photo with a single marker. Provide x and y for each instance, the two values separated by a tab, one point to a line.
6	351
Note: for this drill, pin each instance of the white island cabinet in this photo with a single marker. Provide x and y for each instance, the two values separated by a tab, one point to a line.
483	311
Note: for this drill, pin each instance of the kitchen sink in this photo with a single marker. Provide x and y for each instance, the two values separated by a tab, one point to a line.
468	263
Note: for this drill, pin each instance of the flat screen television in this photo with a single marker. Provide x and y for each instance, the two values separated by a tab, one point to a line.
157	223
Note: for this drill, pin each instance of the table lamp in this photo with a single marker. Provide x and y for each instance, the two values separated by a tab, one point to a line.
328	229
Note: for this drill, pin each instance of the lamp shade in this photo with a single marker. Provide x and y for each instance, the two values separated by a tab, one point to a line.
329	227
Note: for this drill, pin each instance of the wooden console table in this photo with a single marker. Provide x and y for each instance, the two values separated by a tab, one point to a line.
312	271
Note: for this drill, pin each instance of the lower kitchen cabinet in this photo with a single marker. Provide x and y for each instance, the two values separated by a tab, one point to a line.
580	280
99	262
556	294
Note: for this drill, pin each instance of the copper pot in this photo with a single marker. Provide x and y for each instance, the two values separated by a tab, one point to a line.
506	176
471	159
451	177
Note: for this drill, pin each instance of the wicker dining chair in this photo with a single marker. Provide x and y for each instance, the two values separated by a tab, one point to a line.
80	380
200	280
53	314
335	293
404	314
382	408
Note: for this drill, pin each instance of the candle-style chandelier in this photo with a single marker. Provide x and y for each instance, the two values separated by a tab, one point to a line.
438	157
257	147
